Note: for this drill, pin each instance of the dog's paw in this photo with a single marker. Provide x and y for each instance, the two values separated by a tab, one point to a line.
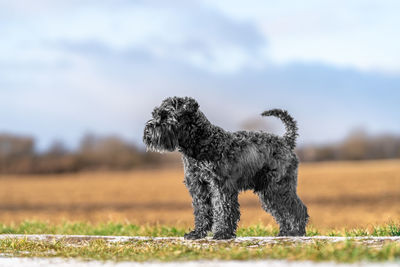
282	233
194	235
223	236
292	233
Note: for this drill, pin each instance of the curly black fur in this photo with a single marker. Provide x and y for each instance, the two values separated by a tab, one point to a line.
219	164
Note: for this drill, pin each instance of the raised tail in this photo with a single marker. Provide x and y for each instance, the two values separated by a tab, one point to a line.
290	125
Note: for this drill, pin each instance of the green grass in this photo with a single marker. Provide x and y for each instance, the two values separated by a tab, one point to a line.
84	228
127	229
170	250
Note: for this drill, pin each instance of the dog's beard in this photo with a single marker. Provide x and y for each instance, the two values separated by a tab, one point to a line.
160	138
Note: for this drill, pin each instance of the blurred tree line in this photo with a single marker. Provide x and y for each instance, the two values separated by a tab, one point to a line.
358	145
18	153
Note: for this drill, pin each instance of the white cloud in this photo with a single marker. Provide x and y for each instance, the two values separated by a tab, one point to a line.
182	30
360	34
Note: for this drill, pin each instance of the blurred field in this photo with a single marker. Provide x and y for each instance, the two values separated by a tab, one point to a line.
338	195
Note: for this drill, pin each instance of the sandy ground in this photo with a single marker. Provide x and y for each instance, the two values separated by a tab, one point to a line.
44	262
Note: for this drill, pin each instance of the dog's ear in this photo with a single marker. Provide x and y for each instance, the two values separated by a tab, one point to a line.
190	105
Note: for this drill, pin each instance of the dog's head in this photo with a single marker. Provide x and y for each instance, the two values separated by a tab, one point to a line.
165	129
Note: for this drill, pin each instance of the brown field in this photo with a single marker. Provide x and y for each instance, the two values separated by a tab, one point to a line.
338	194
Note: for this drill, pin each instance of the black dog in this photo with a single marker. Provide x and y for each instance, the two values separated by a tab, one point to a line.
219	164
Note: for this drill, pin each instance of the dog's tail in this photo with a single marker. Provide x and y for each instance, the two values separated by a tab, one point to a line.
290	125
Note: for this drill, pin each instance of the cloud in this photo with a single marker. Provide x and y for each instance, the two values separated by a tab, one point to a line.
360	34
180	30
108	91
92	66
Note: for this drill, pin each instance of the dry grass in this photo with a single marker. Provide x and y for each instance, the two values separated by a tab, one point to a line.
170	250
338	194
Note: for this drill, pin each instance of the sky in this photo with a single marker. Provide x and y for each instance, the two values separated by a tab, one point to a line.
71	67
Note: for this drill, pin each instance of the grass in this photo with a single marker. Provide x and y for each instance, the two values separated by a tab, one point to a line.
170	251
128	229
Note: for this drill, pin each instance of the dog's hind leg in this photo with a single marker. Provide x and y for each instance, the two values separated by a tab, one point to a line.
281	200
287	209
201	201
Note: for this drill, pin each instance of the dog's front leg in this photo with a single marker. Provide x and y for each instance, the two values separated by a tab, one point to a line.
201	201
226	213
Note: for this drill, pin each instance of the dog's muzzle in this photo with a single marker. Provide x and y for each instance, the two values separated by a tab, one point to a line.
160	138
